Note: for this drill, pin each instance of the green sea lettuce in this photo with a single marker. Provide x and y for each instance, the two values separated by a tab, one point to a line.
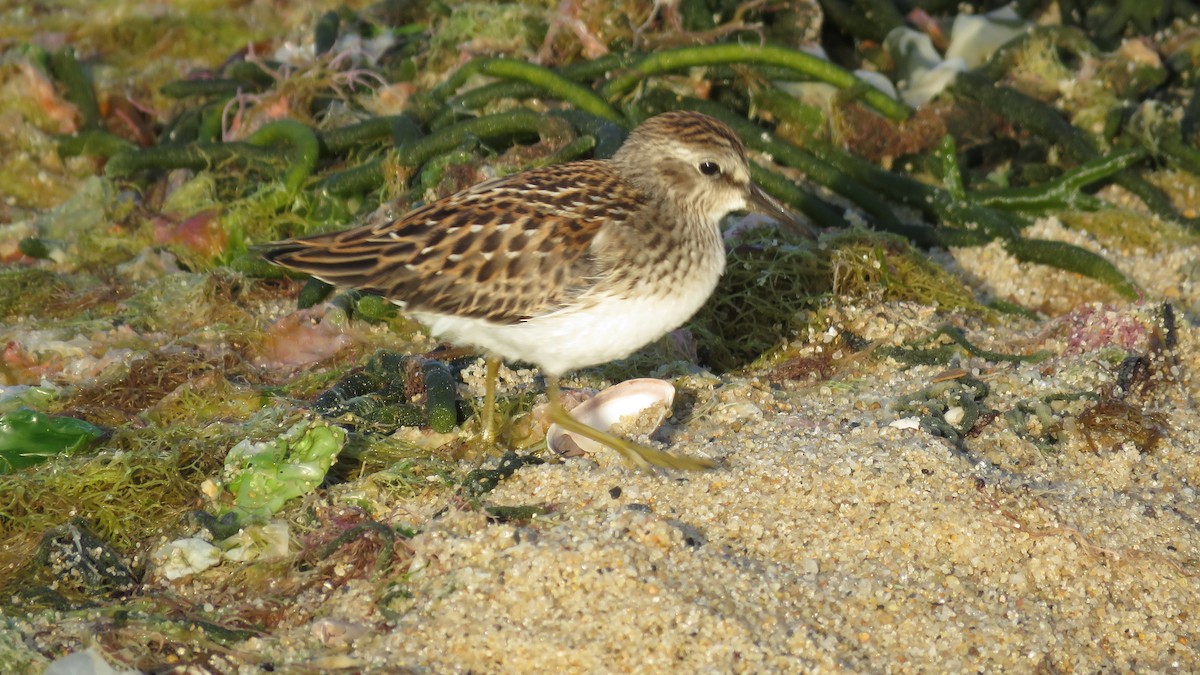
263	476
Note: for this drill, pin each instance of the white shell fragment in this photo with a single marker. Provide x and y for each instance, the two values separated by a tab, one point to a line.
267	541
86	662
640	405
182	557
954	415
906	423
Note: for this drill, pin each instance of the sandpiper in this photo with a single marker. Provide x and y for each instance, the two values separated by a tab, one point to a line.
562	267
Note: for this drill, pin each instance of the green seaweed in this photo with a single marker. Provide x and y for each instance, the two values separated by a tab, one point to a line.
387	534
314	292
29	437
481	481
711	55
552	83
67	69
385	395
941	354
260	147
142	480
95	142
1039	420
932	403
1064	192
263	476
441	398
767	285
1049	123
219	87
34	247
374	309
1072	259
305	149
772	283
368	132
325	33
195	156
870	20
418	151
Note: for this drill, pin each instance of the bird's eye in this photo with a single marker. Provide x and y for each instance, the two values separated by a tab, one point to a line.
710	168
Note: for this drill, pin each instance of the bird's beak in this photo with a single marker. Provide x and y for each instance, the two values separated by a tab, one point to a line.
760	201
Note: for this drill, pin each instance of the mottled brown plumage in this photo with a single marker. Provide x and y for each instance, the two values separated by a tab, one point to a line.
504	250
566	266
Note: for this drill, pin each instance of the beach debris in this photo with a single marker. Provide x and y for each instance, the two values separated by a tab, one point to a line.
638	406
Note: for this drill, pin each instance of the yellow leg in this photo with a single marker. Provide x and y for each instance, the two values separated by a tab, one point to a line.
488	431
638	455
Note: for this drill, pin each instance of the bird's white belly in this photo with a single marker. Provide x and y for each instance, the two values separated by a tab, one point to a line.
577	338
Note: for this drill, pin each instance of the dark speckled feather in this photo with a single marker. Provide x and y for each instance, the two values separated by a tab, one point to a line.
503	250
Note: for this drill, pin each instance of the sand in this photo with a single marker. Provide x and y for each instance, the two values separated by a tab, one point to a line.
839	535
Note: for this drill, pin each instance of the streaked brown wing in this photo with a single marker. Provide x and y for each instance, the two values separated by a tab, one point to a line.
504	250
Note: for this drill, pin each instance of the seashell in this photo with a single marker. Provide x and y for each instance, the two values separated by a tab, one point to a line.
184	557
640	404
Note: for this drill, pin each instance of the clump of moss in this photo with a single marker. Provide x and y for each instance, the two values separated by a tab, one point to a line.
85	229
141	485
1112	423
1126	229
310	382
1038	70
158	45
32	173
771	284
206	396
26	290
485	28
767	286
1088	84
816	366
150	379
886	268
212	300
391	467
